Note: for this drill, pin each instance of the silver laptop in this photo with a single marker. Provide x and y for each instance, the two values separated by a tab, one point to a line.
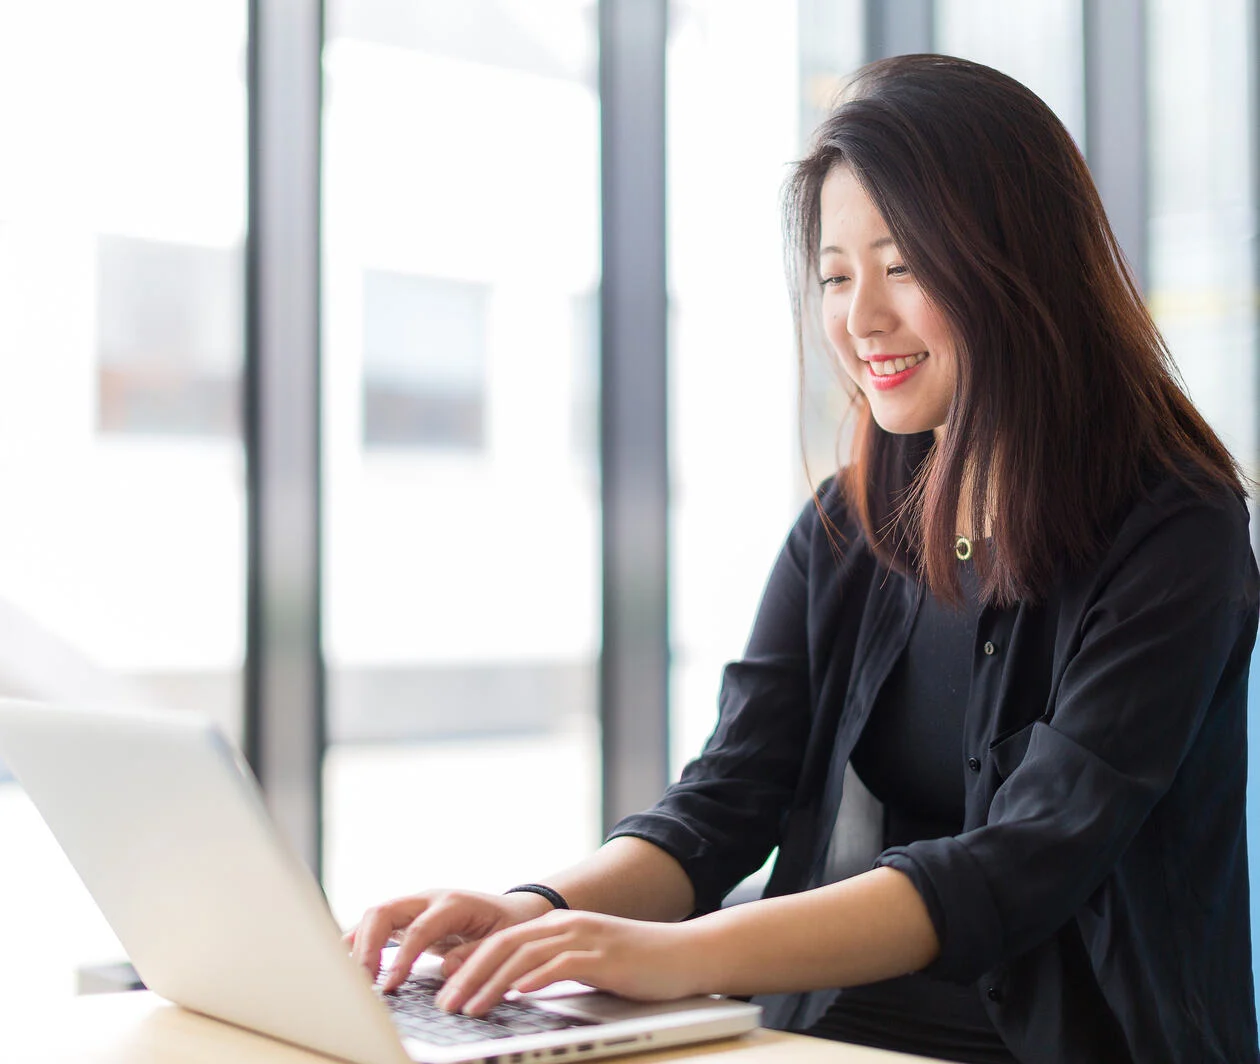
166	826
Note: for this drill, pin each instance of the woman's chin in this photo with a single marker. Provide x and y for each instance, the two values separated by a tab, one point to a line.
900	424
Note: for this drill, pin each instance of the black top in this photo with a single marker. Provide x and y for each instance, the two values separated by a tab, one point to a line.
910	754
1104	840
908	758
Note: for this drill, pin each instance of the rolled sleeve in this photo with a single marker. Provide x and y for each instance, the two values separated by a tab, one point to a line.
961	906
1168	628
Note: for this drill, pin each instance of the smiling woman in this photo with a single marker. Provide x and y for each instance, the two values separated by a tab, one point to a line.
1022	617
996	226
890	339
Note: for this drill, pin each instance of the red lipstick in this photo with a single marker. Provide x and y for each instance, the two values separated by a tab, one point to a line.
883	383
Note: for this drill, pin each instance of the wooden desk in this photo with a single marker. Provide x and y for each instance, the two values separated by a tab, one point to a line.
141	1028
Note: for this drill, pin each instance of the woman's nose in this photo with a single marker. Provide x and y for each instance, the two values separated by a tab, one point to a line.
869	312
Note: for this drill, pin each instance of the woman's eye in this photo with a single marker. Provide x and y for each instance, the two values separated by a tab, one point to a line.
898	270
833	281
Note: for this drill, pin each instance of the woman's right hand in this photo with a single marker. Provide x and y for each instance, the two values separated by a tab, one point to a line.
450	923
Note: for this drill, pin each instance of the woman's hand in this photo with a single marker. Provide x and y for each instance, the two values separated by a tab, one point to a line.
450	923
634	958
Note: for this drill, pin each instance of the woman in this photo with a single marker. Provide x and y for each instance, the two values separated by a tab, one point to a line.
1022	617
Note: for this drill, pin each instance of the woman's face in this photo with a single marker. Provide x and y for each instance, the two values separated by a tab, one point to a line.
889	338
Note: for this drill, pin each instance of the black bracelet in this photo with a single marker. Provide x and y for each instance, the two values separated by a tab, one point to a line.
553	896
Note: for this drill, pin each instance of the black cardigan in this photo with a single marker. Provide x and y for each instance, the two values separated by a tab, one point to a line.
1106	775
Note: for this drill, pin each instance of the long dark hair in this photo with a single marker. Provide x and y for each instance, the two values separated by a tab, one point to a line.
1066	396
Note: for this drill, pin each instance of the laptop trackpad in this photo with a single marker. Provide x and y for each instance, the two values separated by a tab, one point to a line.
605	1008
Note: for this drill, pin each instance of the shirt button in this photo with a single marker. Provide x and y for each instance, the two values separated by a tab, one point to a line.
973	763
993	994
990	649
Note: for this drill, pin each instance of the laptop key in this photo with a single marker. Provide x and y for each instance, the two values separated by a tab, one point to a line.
415	1013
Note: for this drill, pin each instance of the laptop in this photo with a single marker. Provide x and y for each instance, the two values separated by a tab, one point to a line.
166	826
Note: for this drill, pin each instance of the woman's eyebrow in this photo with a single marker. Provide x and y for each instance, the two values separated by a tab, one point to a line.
874	245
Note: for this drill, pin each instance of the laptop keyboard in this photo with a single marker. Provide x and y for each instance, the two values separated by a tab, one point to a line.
416	1016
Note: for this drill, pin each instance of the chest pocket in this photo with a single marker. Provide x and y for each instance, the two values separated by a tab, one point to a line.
1008	751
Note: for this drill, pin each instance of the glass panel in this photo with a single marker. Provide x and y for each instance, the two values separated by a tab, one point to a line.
168	337
1203	283
461	512
737	475
424	361
122	570
830	49
1038	42
1202	215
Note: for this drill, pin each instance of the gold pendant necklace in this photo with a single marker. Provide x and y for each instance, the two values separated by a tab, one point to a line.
962	547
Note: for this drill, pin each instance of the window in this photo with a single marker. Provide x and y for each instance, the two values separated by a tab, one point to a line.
1037	42
424	361
737	475
168	333
1202	213
461	615
122	216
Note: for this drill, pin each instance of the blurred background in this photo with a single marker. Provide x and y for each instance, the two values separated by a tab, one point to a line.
471	487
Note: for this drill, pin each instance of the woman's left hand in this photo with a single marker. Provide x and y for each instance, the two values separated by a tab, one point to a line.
634	958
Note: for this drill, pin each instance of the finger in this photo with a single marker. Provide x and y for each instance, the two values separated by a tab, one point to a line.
362	950
490	972
454	958
442	946
489	955
486	957
374	933
529	957
432	925
571	964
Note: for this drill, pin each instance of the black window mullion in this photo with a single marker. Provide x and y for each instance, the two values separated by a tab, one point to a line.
284	683
634	661
897	27
1116	127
